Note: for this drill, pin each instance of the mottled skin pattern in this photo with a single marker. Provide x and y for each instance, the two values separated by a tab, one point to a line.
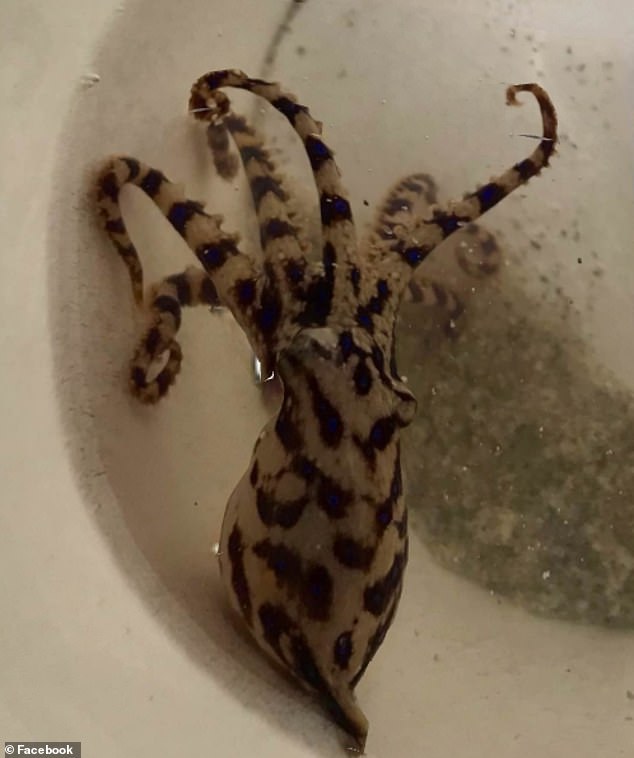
314	538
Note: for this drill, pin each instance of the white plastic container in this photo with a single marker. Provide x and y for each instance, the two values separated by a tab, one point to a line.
115	632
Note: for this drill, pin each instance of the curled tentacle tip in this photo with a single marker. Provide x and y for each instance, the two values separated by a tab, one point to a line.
511	96
205	113
209	107
513	89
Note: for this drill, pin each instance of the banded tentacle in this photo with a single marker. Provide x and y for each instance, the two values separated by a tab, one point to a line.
401	211
281	240
237	277
330	291
443	219
189	288
403	207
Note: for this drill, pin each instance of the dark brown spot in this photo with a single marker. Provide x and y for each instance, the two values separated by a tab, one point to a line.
316	592
401	526
167	304
133	168
364	319
411	185
152	341
286	429
180	213
183	289
384	516
490	195
213	255
343	650
347	345
304	468
376	640
396	485
334	208
353	554
362	378
164	381
256	153
383	289
377	596
237	124
283	562
382	432
276	228
355	278
332	498
224	161
318	152
330	423
115	226
318	296
208	293
152	181
253	476
109	186
238	574
216	79
218	137
413	255
289	108
245	291
262	186
275	622
275	513
270	311
525	168
294	271
137	375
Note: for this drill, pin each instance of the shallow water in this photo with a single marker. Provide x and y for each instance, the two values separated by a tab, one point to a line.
519	467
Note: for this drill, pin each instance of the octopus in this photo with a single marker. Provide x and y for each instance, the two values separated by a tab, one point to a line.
313	544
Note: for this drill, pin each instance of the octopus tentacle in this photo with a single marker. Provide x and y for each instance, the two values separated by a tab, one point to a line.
314	541
339	251
237	278
281	240
189	288
444	219
400	211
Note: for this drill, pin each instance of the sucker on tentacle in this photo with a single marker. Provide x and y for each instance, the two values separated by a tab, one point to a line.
314	538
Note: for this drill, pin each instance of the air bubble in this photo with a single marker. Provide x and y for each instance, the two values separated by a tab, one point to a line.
89	80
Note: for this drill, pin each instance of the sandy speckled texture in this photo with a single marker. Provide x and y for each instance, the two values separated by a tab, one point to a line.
117	634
